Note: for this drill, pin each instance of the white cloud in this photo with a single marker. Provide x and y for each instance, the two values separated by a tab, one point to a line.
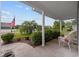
26	8
4	17
19	6
5	12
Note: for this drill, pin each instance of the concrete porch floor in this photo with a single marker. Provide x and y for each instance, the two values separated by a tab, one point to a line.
51	49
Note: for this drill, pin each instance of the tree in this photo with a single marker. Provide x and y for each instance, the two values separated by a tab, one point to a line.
17	26
28	27
56	25
68	25
39	28
63	24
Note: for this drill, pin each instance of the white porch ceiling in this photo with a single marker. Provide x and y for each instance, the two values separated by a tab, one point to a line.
56	9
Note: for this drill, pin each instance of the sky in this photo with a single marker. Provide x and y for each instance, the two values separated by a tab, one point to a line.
21	12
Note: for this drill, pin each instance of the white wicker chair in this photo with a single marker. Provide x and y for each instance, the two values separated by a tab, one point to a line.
68	39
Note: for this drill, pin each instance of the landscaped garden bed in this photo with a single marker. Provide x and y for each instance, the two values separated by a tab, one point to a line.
33	39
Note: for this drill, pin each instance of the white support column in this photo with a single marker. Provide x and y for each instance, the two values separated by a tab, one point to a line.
78	25
60	26
43	33
0	23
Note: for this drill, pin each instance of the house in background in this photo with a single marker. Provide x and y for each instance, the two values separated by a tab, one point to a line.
5	25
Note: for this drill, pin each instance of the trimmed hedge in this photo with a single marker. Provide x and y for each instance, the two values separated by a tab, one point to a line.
36	38
8	37
49	35
55	34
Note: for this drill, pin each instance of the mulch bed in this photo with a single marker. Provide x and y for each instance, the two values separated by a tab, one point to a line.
26	40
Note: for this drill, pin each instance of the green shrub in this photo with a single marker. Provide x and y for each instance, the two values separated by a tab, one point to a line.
51	34
55	34
48	35
7	37
62	34
36	38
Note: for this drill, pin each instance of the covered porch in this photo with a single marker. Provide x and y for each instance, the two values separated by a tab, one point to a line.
58	10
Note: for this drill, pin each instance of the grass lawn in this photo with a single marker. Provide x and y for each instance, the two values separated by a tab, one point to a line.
19	35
